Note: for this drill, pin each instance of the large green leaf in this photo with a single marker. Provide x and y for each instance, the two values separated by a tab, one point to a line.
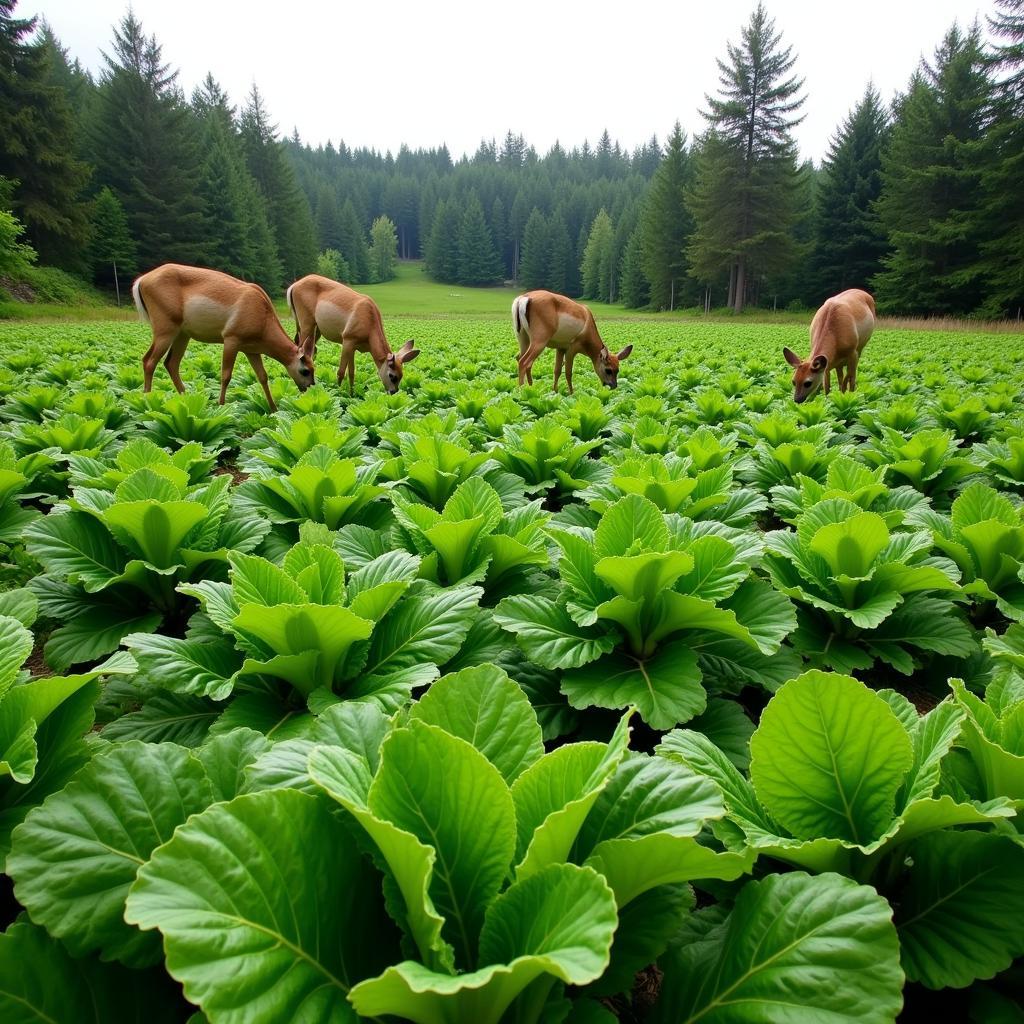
76	546
961	914
268	912
185	666
554	796
851	547
486	708
96	630
442	790
548	635
346	777
795	949
153	528
557	923
828	758
41	983
16	643
74	858
631	525
665	689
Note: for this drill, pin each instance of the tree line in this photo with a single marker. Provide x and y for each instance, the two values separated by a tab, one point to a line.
921	200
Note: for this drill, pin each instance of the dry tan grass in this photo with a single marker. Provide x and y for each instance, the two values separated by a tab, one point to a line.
949	323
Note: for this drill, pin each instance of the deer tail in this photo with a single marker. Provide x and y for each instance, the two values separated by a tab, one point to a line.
140	303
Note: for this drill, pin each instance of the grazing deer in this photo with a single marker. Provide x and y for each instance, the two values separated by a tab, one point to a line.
182	303
546	320
326	308
839	332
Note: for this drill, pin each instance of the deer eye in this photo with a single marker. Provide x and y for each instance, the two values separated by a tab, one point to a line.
807	383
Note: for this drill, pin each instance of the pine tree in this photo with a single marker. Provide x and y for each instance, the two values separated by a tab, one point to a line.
743	201
499	232
111	244
930	205
383	249
849	242
144	147
442	255
560	256
38	145
597	266
634	289
328	218
533	261
478	259
288	210
1002	250
352	243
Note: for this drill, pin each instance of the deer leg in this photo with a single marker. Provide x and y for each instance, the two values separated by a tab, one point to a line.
841	377
559	356
568	369
227	364
828	379
173	361
528	358
851	375
256	362
163	339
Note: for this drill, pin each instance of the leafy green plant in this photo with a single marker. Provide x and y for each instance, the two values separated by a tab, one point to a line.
191	417
280	447
864	591
1003	460
473	540
843	779
546	456
929	460
984	535
649	602
113	557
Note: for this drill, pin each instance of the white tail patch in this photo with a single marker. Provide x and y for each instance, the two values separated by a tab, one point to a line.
139	304
519	322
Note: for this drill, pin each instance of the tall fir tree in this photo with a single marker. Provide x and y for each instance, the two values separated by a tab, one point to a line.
144	146
111	247
849	241
1002	250
597	269
478	259
533	261
288	209
38	145
352	243
930	205
442	255
499	232
744	198
560	256
328	218
634	288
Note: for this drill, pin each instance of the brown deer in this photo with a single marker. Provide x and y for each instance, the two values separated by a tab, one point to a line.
182	303
839	332
547	320
329	309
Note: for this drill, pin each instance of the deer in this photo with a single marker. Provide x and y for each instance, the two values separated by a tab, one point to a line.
839	331
329	309
547	320
183	303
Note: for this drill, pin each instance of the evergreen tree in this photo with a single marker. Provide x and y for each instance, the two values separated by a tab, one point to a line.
38	145
849	241
597	268
533	262
144	147
352	243
561	256
383	249
111	243
499	232
930	205
518	215
743	201
634	289
328	218
288	210
666	224
442	254
223	195
478	259
1002	250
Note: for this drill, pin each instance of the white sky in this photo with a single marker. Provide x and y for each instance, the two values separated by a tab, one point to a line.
382	72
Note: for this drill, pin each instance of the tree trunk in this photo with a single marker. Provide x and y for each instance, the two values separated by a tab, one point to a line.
732	286
741	283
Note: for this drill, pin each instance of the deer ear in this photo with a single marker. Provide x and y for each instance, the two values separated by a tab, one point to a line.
406	347
624	354
409	355
819	363
391	359
308	346
603	354
791	357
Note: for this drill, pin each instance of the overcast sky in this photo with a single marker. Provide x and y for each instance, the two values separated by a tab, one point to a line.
382	72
